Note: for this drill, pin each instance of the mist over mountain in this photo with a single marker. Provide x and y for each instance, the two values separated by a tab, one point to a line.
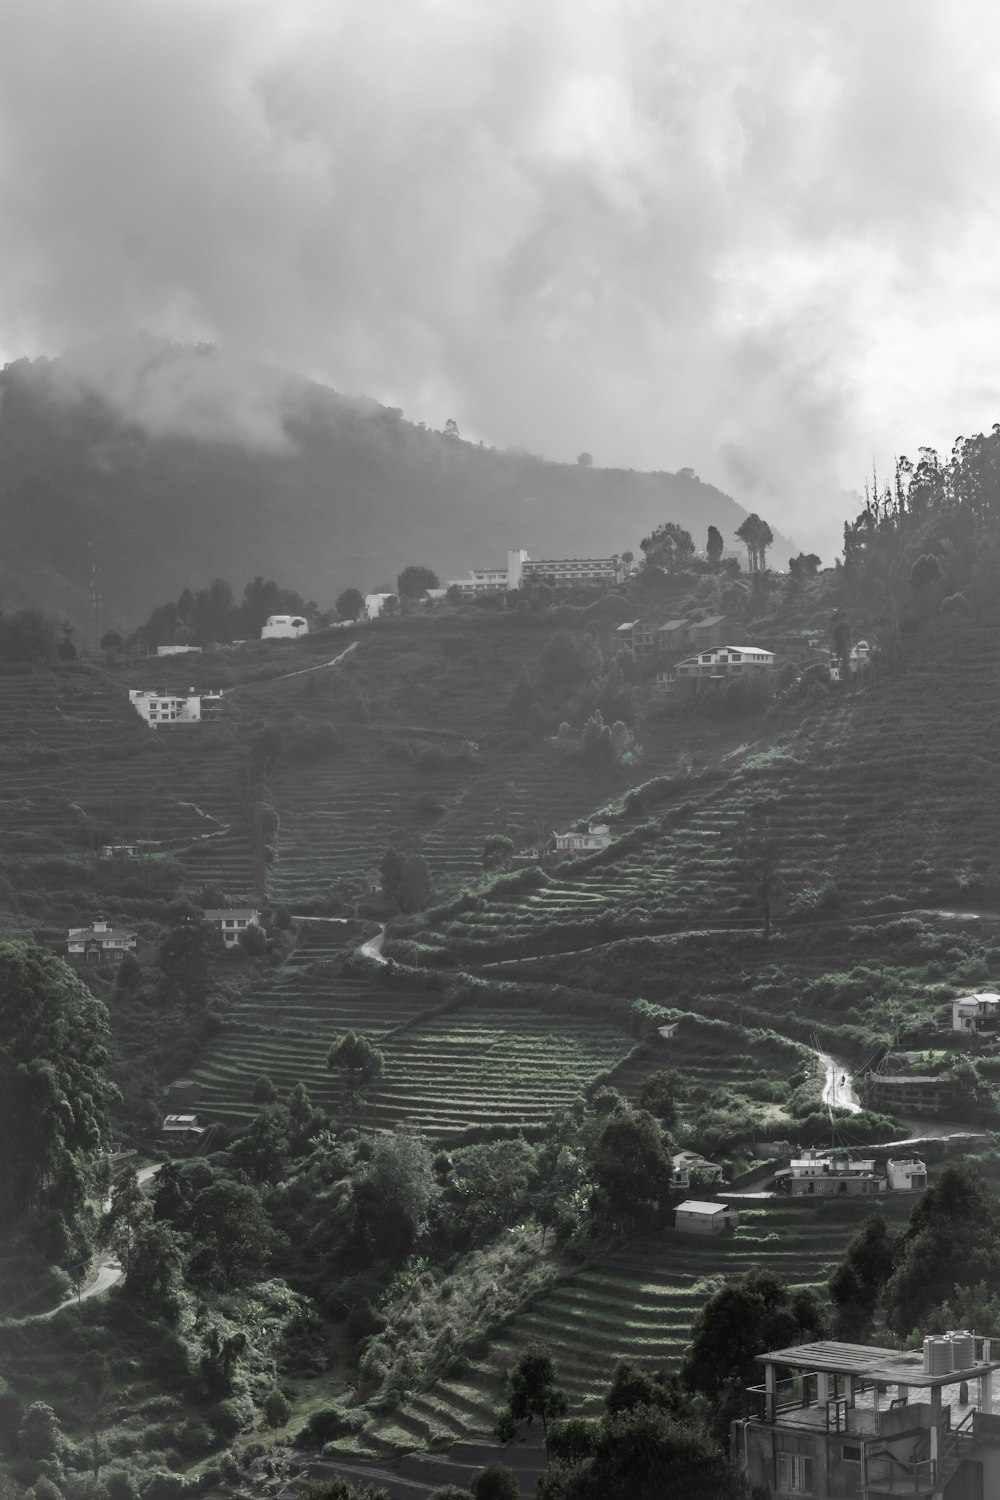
162	467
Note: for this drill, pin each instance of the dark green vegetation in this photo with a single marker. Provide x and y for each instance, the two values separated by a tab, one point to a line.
272	473
418	1168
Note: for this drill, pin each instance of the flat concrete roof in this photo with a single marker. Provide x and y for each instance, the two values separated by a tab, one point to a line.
890	1366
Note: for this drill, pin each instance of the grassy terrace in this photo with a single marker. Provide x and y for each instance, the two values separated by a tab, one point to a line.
479	1065
637	1303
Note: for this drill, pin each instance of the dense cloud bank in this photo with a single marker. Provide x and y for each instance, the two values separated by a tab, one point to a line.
756	241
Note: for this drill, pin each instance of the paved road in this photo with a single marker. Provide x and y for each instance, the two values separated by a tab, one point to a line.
105	1265
838	1089
373	948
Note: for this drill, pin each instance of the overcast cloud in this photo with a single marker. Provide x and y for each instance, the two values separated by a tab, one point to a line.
760	239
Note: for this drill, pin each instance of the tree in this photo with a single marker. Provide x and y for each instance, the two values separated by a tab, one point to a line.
585	460
756	535
350	605
633	1164
647	1454
669	547
451	430
231	1235
493	1179
416	885
567	660
414	581
395	1192
276	1408
926	571
840	629
532	1391
263	1091
128	1211
497	851
95	1388
495	1482
341	1489
391	872
806	565
660	1094
715	546
951	1241
111	643
40	1436
759	852
183	960
54	1093
857	1285
744	1318
360	1063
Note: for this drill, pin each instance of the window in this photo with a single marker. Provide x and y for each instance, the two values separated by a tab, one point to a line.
851	1453
795	1473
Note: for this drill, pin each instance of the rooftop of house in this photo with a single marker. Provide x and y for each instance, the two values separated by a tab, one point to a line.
887	1366
986	998
102	930
709	620
216	914
694	1206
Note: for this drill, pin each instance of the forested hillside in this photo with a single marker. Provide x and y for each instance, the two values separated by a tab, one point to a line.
186	475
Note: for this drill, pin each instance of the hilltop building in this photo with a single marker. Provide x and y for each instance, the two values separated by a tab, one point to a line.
284	627
100	943
557	572
184	1125
597	836
839	1420
159	707
232	921
970	1013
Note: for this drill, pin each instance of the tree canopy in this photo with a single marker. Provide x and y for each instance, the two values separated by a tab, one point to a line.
756	535
669	547
350	604
414	581
54	1092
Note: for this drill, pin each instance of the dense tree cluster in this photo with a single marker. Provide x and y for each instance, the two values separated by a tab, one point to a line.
212	615
36	637
54	1097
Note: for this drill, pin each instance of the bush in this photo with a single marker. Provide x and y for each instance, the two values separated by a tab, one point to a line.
229	1417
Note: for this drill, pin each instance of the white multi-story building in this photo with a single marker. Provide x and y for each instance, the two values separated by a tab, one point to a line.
159	707
232	921
557	572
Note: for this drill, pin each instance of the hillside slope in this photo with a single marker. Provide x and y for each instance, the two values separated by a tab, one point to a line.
201	467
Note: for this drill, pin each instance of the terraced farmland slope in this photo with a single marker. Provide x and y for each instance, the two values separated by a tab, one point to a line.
79	763
637	1303
881	799
478	1065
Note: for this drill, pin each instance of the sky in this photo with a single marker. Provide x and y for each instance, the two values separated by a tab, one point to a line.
756	239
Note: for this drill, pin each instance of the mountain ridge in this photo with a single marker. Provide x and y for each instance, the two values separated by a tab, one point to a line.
192	465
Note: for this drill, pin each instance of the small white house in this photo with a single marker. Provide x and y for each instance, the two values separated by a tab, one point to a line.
907	1174
284	627
159	707
693	1217
597	836
969	1012
101	943
232	921
178	650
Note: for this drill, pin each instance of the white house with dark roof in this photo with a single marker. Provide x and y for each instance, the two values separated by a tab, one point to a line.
100	943
597	836
232	921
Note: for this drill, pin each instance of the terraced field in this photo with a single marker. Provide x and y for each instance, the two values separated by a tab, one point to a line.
76	755
638	1304
475	1066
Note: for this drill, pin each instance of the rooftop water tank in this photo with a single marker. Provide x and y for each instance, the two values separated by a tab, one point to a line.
963	1349
938	1356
